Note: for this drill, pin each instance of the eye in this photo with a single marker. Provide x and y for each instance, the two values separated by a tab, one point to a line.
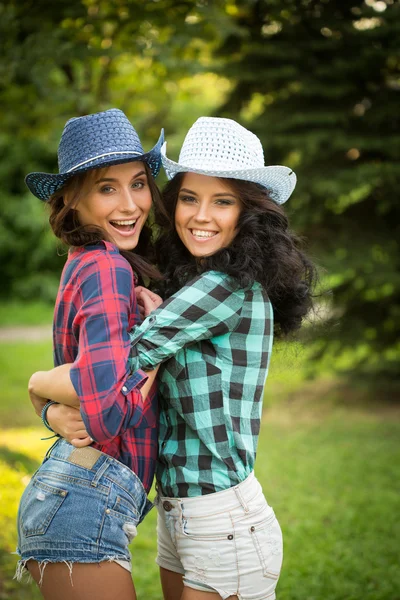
106	189
187	199
138	185
224	202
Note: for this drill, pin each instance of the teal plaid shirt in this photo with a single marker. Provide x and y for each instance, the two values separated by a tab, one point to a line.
214	340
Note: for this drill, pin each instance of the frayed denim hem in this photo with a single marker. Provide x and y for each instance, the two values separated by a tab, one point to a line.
22	573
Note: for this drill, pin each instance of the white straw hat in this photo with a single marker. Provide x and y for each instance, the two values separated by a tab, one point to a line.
222	148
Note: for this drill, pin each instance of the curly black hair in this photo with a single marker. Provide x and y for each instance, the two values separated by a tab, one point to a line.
264	250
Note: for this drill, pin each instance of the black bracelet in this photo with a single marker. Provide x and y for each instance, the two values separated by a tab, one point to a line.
44	415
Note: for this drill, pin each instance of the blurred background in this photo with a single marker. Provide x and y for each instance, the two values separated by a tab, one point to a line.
319	82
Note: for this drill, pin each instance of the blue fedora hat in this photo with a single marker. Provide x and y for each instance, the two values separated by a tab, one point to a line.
91	142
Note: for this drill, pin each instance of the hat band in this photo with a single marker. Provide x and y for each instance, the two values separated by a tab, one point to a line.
102	156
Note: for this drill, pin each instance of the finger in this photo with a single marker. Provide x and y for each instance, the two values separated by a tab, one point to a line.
148	293
79	433
148	305
81	443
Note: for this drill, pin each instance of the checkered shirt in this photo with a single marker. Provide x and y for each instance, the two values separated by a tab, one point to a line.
214	340
95	308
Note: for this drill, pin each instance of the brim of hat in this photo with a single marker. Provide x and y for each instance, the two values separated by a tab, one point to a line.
44	185
280	181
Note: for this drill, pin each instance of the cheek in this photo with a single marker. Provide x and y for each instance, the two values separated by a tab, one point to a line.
179	217
231	224
145	203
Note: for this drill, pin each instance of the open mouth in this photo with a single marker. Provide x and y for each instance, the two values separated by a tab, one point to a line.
202	234
124	226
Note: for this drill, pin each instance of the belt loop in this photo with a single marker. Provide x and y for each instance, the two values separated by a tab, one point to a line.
100	472
240	498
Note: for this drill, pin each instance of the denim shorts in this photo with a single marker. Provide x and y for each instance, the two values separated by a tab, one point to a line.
229	542
81	506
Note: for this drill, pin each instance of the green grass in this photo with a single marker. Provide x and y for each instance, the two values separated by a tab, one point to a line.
17	363
16	312
328	460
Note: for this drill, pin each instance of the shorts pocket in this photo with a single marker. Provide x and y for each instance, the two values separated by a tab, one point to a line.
124	509
39	505
210	528
267	540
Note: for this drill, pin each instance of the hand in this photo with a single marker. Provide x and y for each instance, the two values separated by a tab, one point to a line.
147	301
67	421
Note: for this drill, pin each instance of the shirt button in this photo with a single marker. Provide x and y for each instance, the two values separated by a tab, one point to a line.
167	506
124	389
252	529
230	537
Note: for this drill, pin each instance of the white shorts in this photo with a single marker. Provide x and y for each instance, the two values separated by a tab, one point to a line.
229	542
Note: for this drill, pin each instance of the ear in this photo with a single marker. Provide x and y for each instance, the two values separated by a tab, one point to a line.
67	198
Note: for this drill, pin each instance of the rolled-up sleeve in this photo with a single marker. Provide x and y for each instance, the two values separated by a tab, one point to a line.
109	392
206	307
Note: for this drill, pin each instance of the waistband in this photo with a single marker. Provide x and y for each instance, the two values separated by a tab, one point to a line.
95	461
233	497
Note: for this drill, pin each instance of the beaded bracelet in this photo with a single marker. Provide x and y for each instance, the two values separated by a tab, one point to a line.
43	415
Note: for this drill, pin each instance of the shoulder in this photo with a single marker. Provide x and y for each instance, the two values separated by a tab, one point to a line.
99	257
100	266
210	280
210	288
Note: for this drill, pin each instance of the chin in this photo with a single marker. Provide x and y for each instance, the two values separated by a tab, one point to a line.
127	245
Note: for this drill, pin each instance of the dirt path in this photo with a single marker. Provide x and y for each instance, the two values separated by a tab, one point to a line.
36	333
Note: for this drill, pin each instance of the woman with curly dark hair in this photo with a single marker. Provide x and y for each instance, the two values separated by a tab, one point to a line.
234	274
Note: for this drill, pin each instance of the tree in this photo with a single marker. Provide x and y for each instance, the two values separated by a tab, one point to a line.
319	82
68	58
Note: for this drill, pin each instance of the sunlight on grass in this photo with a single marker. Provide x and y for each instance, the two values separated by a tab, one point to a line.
328	460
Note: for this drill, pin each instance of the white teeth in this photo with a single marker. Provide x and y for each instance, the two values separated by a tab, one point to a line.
202	233
124	222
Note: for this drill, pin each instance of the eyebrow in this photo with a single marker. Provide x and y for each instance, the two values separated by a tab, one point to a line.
113	179
224	194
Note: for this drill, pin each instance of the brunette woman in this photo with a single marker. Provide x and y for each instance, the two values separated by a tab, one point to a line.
81	508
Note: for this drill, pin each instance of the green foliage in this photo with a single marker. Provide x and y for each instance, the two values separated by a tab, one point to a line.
64	59
319	82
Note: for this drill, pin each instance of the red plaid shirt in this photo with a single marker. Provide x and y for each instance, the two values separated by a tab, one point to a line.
95	308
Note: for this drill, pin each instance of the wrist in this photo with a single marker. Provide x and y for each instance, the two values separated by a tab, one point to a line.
44	414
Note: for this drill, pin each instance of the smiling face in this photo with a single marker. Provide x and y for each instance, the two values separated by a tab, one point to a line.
118	201
206	214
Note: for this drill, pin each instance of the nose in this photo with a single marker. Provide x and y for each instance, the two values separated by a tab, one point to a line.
203	213
127	201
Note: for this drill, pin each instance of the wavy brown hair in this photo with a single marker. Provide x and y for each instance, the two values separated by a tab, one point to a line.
65	223
264	250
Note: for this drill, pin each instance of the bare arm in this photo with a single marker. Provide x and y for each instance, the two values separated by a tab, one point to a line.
56	385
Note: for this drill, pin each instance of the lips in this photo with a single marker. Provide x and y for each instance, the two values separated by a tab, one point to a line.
124	226
203	234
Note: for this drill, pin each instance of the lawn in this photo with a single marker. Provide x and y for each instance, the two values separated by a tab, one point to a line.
328	460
